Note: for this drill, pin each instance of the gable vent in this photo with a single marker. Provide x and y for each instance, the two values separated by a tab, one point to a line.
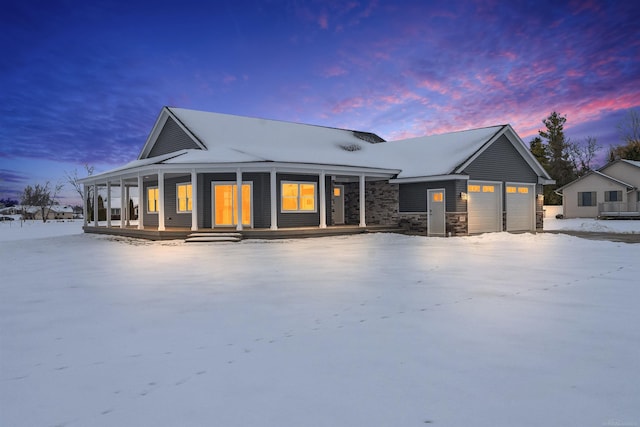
350	147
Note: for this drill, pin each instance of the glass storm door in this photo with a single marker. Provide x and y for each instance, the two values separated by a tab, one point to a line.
225	202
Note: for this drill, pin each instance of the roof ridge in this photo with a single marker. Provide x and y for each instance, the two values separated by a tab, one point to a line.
172	109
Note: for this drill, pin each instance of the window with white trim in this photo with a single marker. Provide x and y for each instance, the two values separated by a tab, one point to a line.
298	196
152	200
183	197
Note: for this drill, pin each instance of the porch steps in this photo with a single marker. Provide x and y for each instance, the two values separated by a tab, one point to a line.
213	237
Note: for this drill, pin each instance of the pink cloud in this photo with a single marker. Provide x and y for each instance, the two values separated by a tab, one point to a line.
348	104
334	71
579	6
323	21
434	86
228	79
574	73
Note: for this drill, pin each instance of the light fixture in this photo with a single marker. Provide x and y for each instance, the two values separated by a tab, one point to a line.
464	196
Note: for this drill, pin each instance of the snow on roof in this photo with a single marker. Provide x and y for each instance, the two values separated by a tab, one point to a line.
632	162
242	139
237	139
232	139
435	154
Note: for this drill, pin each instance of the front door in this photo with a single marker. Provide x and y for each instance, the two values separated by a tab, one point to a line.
225	204
338	204
435	210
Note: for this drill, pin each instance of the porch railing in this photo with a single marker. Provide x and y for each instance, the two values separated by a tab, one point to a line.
617	208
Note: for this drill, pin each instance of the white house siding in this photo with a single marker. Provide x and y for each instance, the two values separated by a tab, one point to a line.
595	183
629	174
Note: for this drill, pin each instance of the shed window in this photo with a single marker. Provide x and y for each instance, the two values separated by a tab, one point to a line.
587	198
613	196
152	199
183	194
298	196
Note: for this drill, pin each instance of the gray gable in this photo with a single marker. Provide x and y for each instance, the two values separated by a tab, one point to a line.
171	139
501	162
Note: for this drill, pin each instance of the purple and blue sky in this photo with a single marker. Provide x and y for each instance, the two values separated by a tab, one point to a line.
83	81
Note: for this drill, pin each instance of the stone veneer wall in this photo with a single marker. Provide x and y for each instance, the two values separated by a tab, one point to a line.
381	203
539	207
539	220
413	222
457	223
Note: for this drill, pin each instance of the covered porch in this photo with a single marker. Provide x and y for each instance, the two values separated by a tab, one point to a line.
171	202
182	233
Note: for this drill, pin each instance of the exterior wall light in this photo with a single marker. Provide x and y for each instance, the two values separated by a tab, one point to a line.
464	196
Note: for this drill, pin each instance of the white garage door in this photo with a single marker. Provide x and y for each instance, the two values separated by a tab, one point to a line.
521	207
484	206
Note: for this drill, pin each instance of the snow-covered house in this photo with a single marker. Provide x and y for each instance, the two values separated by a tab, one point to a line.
35	212
296	175
611	191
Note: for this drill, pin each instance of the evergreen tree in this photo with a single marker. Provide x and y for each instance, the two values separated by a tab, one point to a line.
555	155
539	150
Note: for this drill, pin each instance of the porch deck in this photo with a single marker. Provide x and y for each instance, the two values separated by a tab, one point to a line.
175	233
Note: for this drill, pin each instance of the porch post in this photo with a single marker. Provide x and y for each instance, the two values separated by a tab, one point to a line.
123	203
274	200
95	205
194	200
108	207
127	191
239	198
323	201
141	204
160	201
362	213
85	207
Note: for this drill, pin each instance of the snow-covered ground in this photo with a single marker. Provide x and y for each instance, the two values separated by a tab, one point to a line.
366	330
593	225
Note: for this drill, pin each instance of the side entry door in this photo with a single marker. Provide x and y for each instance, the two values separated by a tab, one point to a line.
435	212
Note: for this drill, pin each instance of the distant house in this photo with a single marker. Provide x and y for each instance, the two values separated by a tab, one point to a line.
34	212
291	175
611	191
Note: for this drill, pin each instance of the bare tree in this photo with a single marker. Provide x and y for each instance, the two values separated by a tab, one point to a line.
629	128
41	196
73	179
582	156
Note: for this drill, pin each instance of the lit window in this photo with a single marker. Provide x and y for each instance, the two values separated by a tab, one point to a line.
336	191
183	194
152	199
438	197
474	188
488	188
511	189
587	198
523	190
298	196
